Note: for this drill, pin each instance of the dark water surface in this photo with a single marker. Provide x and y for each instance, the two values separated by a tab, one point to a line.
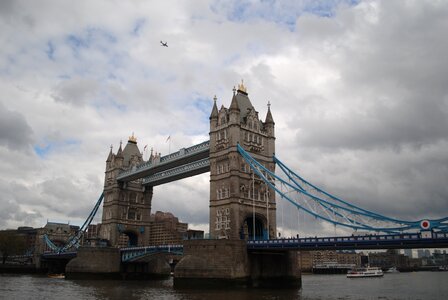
417	285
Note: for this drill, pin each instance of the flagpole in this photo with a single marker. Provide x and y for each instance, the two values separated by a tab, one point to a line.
169	144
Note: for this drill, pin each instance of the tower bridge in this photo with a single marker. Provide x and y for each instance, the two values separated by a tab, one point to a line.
129	180
240	156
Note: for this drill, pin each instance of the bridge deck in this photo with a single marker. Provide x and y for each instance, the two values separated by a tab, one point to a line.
365	242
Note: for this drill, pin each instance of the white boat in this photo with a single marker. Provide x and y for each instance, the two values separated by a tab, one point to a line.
392	270
57	276
365	272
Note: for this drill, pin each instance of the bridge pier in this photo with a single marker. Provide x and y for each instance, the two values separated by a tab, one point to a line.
156	267
211	263
92	262
277	269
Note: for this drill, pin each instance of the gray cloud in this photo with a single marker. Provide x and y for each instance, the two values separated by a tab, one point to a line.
77	91
15	133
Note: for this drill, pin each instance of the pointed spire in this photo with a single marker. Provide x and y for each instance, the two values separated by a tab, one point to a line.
214	114
269	119
234	105
120	151
109	157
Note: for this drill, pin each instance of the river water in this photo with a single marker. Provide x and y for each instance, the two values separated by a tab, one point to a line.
417	285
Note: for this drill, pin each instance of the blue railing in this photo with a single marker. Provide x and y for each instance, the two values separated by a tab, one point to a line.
133	253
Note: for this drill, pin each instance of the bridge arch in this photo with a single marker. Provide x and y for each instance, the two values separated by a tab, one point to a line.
128	238
260	227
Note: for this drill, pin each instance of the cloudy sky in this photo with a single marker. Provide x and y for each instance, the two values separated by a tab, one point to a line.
359	94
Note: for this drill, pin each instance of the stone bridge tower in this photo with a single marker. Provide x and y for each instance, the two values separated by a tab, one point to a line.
126	206
241	205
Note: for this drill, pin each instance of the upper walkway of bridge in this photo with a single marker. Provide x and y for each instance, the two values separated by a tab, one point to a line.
183	163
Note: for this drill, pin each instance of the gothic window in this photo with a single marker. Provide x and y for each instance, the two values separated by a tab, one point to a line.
133	198
139	216
227	223
131	214
217	194
222	168
122	197
219	135
225	134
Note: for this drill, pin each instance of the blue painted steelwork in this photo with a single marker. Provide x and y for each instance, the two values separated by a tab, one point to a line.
202	165
73	241
325	206
61	255
385	241
139	171
50	244
135	253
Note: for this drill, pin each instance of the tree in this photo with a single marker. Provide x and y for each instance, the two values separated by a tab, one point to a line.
11	244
